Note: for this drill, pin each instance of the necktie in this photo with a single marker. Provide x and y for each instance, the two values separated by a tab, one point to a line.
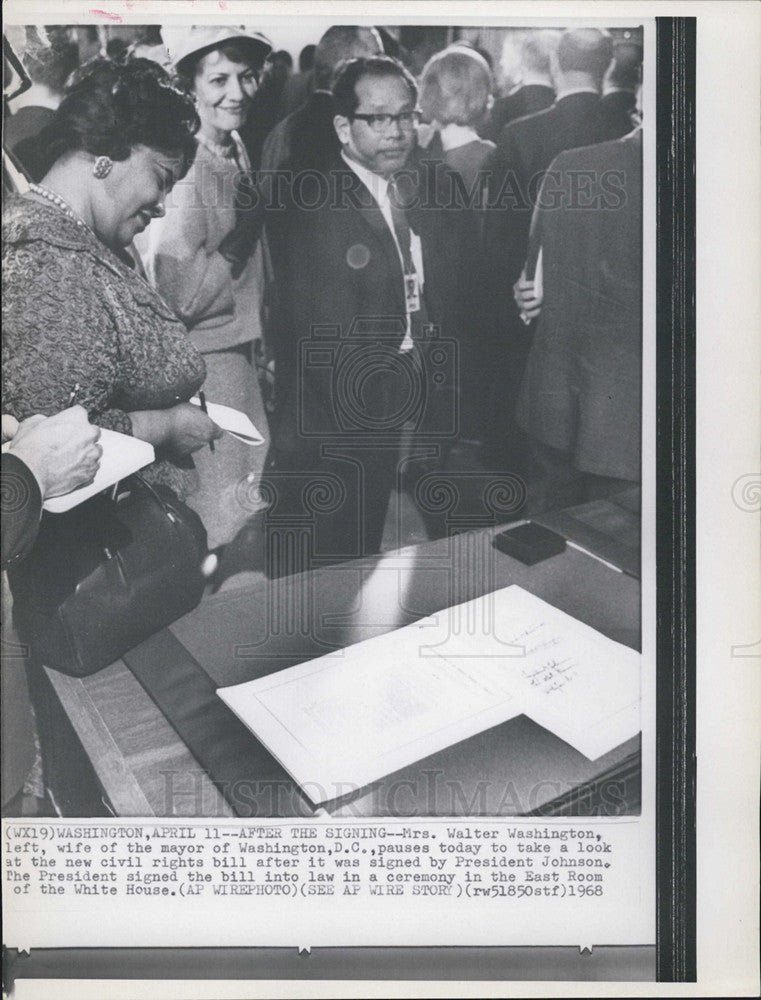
401	225
418	318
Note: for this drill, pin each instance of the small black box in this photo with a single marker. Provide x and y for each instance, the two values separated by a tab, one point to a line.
530	543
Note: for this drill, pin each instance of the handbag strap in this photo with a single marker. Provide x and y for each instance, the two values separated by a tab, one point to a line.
156	495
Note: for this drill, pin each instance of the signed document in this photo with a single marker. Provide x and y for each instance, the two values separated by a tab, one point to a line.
394	699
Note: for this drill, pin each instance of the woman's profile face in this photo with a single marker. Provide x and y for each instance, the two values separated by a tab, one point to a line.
223	90
132	194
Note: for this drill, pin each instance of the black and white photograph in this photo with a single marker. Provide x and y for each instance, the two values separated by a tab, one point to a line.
335	480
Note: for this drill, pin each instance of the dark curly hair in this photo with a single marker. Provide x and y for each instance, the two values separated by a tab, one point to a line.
110	109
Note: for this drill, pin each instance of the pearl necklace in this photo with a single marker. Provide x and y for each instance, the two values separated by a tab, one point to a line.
57	200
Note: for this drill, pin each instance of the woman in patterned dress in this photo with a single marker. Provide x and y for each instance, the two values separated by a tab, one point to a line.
80	324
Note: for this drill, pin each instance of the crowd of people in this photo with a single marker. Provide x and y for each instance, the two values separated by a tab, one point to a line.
375	265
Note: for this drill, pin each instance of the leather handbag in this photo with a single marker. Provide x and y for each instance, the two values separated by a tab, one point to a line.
104	576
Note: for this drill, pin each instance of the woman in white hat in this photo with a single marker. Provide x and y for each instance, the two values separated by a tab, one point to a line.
216	293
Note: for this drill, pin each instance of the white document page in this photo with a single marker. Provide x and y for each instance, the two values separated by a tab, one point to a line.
122	455
233	421
384	703
568	677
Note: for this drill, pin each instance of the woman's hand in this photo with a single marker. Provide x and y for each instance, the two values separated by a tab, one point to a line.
190	429
182	429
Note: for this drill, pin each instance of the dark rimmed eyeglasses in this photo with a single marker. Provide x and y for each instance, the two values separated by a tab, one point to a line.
383	122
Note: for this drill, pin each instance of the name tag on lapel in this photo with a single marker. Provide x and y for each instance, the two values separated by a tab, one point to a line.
412	292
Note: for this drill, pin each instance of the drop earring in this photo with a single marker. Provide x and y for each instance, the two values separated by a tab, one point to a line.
102	167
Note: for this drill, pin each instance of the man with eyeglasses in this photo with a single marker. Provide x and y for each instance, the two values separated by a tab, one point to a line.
376	274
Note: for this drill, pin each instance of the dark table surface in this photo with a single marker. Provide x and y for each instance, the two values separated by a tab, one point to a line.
145	768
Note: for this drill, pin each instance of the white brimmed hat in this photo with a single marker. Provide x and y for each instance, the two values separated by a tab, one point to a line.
183	41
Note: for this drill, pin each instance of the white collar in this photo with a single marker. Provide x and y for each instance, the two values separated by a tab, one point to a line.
376	185
453	135
619	90
575	90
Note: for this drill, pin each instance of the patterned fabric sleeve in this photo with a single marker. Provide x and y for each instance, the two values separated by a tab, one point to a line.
57	343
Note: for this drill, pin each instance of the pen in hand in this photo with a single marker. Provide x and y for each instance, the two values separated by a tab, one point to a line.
73	396
202	398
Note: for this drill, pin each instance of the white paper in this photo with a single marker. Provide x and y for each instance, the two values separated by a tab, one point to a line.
232	421
396	698
122	456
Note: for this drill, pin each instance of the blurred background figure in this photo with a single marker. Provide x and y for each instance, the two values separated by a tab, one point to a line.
149	44
390	45
524	152
91	41
265	104
417	44
214	287
49	57
621	86
117	50
534	90
299	85
580	400
455	96
306	59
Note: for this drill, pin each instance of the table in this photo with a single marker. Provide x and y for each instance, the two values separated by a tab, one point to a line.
145	768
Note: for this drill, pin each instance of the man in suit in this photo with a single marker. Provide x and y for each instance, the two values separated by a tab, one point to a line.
524	152
580	400
619	97
367	276
535	91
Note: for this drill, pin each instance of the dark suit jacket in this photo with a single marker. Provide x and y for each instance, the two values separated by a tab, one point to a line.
306	139
523	101
341	265
21	136
22	508
524	152
618	108
582	386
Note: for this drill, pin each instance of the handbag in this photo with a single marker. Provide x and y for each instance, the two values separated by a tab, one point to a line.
106	575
